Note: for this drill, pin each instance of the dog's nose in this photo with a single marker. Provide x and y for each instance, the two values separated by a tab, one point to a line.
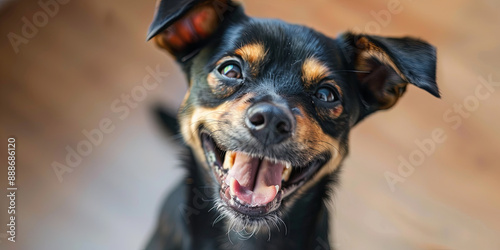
270	124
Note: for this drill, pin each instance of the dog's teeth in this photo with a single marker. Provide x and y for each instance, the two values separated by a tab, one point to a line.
286	172
273	160
229	160
277	188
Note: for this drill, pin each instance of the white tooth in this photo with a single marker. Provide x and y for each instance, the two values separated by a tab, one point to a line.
272	160
286	172
277	188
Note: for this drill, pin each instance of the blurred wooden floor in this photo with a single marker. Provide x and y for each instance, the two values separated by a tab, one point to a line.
91	52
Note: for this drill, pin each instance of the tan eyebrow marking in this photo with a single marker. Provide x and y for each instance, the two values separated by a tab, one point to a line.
253	53
313	70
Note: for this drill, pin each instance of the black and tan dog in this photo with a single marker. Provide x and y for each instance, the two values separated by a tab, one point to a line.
267	118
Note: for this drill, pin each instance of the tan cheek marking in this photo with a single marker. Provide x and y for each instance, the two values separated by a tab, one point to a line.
312	137
210	117
311	133
191	123
312	71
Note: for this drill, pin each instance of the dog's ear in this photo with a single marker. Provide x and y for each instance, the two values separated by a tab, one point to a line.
385	66
183	27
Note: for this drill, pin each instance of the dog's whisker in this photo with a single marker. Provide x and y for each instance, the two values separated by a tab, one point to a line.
219	218
284	225
276	225
212	208
268	231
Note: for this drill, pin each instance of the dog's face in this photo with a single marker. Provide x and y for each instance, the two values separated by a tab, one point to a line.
266	114
270	104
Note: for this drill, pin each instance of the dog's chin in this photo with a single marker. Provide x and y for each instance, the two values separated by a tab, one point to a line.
255	189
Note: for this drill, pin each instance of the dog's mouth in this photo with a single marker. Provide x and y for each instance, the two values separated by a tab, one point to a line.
255	185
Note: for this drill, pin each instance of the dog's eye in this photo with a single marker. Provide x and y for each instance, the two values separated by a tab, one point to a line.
231	71
326	94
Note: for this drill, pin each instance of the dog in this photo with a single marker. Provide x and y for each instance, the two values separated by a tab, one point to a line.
266	120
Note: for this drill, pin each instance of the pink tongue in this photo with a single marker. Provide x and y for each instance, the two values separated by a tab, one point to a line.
252	183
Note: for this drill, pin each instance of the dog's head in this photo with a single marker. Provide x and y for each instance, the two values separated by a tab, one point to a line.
270	104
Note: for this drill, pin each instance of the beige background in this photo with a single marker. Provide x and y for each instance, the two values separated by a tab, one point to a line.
91	52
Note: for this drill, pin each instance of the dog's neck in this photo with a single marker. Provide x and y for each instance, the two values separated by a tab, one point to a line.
307	221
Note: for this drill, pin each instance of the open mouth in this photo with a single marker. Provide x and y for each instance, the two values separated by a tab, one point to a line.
255	185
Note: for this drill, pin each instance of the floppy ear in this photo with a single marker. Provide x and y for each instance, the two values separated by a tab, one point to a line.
183	27
386	65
